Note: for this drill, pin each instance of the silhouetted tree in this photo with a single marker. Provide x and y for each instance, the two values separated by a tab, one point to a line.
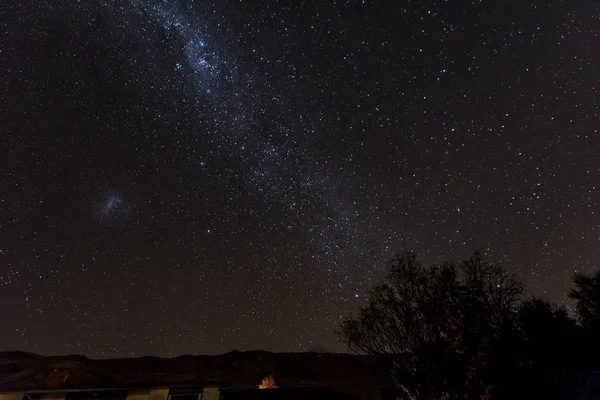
586	293
549	349
443	331
460	331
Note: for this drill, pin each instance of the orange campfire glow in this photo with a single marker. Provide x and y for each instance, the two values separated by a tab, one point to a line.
268	383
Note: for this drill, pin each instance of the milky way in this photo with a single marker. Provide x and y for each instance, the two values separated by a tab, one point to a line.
194	176
274	162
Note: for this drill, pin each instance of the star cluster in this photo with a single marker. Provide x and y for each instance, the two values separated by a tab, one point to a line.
187	176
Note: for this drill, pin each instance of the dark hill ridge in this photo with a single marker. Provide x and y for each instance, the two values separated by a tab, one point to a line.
352	374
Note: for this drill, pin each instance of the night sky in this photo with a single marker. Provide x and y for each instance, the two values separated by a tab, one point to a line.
186	176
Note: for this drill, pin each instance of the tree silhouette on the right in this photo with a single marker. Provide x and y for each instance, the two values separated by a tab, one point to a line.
462	331
549	348
586	293
445	331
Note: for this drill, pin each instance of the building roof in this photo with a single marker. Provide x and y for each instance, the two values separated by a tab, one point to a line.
300	393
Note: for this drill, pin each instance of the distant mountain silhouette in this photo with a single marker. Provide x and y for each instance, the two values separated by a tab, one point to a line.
352	374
